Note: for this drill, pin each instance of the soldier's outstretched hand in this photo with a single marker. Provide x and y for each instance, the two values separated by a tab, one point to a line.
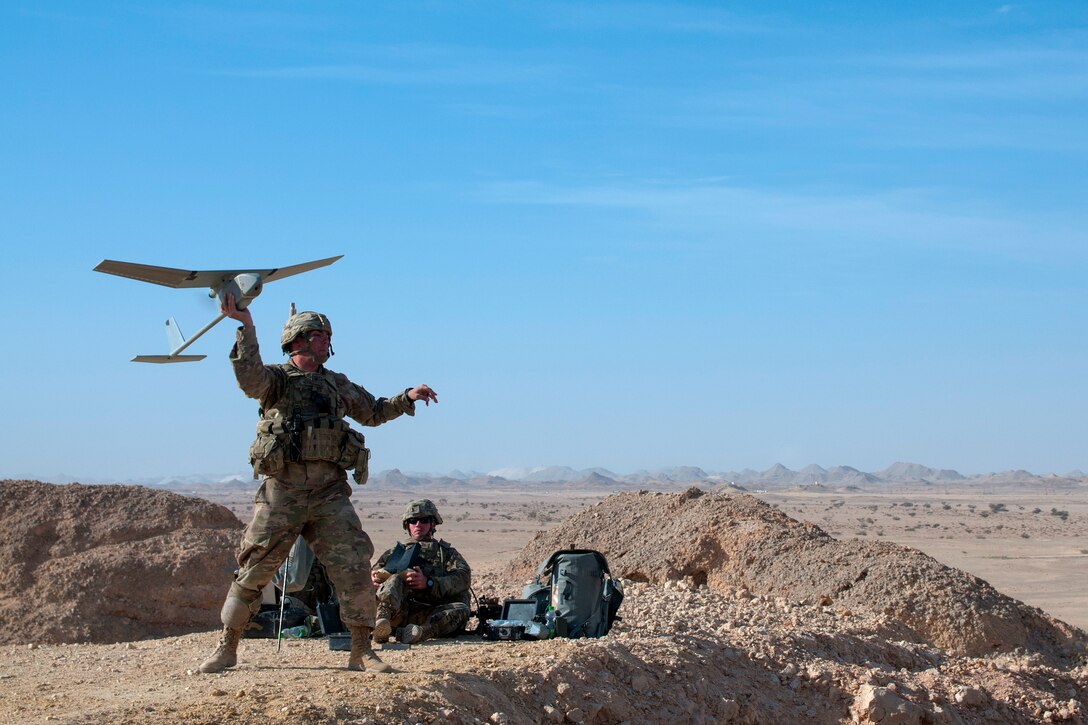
424	393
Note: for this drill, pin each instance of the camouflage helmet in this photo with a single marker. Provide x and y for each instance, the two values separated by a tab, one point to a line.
303	322
418	508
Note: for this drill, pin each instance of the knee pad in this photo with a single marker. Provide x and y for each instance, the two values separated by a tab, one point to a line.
239	606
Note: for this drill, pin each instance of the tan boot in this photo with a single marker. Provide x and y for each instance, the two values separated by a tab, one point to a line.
383	628
226	654
414	634
362	656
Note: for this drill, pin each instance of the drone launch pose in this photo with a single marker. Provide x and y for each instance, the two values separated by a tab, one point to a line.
303	449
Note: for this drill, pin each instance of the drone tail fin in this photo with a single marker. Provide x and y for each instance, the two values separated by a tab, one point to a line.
177	343
174	338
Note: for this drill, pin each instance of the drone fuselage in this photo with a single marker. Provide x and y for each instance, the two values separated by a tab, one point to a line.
245	287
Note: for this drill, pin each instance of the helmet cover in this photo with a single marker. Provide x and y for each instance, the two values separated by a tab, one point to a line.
303	322
420	508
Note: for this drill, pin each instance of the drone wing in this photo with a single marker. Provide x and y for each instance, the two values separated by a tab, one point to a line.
171	277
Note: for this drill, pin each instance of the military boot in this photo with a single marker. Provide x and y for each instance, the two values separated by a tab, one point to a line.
383	628
414	634
236	612
226	654
362	656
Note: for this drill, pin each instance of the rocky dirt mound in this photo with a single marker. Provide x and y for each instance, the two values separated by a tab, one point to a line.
110	563
737	544
691	647
681	654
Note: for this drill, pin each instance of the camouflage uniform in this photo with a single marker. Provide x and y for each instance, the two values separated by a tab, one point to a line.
443	608
308	497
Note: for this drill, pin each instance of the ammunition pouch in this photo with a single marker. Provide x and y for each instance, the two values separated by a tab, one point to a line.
323	440
355	455
321	444
267	455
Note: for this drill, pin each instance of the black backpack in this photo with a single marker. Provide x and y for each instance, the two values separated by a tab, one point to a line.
577	584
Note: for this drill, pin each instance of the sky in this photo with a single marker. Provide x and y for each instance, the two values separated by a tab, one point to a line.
627	235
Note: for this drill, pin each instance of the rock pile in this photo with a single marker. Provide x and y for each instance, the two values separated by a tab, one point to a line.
737	543
110	563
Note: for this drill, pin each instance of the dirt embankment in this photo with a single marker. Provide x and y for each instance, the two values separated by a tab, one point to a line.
730	542
110	563
734	613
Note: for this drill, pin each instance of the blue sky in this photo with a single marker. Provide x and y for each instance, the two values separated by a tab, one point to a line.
627	235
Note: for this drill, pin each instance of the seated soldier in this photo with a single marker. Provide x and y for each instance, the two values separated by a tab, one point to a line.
422	584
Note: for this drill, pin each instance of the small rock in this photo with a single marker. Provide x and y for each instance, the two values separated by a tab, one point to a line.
32	645
971	696
129	645
553	714
576	715
190	672
640	683
562	688
218	693
499	718
879	704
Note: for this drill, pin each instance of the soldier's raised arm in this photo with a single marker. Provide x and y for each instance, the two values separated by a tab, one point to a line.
253	376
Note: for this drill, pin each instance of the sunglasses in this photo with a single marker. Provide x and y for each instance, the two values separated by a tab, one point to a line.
421	520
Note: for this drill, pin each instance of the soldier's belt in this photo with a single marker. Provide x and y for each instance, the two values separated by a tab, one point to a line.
278	427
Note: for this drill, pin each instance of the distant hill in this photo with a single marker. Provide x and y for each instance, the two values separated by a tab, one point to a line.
778	476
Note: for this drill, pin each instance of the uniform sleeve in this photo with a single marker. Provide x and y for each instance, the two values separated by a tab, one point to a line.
371	411
256	379
452	584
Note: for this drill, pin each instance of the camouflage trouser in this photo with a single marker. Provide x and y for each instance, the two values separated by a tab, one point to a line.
311	499
441	620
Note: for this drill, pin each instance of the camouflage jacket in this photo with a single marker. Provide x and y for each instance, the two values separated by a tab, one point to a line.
444	566
267	383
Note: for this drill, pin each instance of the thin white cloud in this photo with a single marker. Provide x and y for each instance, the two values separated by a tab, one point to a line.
235	19
913	218
415	64
388	75
658	16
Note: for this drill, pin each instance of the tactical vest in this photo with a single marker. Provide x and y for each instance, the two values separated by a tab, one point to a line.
307	424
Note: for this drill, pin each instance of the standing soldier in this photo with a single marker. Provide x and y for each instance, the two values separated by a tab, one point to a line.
423	583
303	449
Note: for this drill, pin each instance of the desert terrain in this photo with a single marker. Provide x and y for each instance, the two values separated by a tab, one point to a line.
790	604
1029	541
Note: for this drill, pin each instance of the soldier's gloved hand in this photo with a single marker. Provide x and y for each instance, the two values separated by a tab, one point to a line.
415	579
424	393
